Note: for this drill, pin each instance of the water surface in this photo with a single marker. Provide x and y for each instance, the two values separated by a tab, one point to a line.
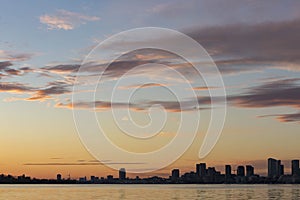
95	192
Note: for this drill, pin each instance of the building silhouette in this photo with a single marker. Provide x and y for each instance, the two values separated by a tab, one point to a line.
278	168
58	177
201	169
110	177
272	167
82	179
211	171
240	171
175	174
202	175
227	171
249	170
122	174
281	170
275	168
295	167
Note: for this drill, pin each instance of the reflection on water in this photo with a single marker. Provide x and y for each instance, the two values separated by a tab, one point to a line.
89	192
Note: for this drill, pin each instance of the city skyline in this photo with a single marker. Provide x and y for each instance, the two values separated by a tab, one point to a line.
203	173
46	48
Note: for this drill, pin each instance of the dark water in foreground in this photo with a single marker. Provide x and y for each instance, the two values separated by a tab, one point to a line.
89	192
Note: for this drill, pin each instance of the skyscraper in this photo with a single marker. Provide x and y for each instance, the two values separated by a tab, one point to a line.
175	174
122	174
295	167
240	171
278	164
272	166
227	171
281	170
249	170
201	169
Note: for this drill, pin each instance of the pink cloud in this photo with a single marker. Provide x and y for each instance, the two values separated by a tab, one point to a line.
66	20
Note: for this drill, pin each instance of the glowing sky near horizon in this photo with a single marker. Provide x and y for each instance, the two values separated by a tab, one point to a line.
255	45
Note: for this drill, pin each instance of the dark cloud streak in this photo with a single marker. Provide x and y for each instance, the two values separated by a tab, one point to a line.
285	92
82	163
279	93
5	64
252	46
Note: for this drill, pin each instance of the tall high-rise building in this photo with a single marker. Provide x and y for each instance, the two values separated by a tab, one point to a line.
278	164
272	167
249	170
122	174
295	167
281	170
175	174
275	168
240	171
227	171
201	169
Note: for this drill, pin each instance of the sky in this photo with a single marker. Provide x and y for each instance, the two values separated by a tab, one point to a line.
46	46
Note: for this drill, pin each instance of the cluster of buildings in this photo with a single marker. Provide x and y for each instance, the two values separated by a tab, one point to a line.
209	175
243	174
202	175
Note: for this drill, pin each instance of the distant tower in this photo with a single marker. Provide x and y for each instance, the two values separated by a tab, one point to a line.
175	174
278	167
249	170
122	174
281	170
227	171
58	177
201	169
295	167
272	167
240	171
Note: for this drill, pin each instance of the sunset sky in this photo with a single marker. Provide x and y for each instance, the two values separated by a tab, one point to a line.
255	45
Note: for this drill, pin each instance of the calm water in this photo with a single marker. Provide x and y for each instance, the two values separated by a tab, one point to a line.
89	192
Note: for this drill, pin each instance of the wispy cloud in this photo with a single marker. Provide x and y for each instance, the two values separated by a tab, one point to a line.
66	20
224	12
134	61
294	117
147	85
203	88
8	60
10	56
56	88
243	47
42	95
285	92
5	64
51	91
62	68
13	71
15	88
290	117
82	163
169	106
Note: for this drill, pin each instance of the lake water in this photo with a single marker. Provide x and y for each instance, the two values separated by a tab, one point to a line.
95	192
